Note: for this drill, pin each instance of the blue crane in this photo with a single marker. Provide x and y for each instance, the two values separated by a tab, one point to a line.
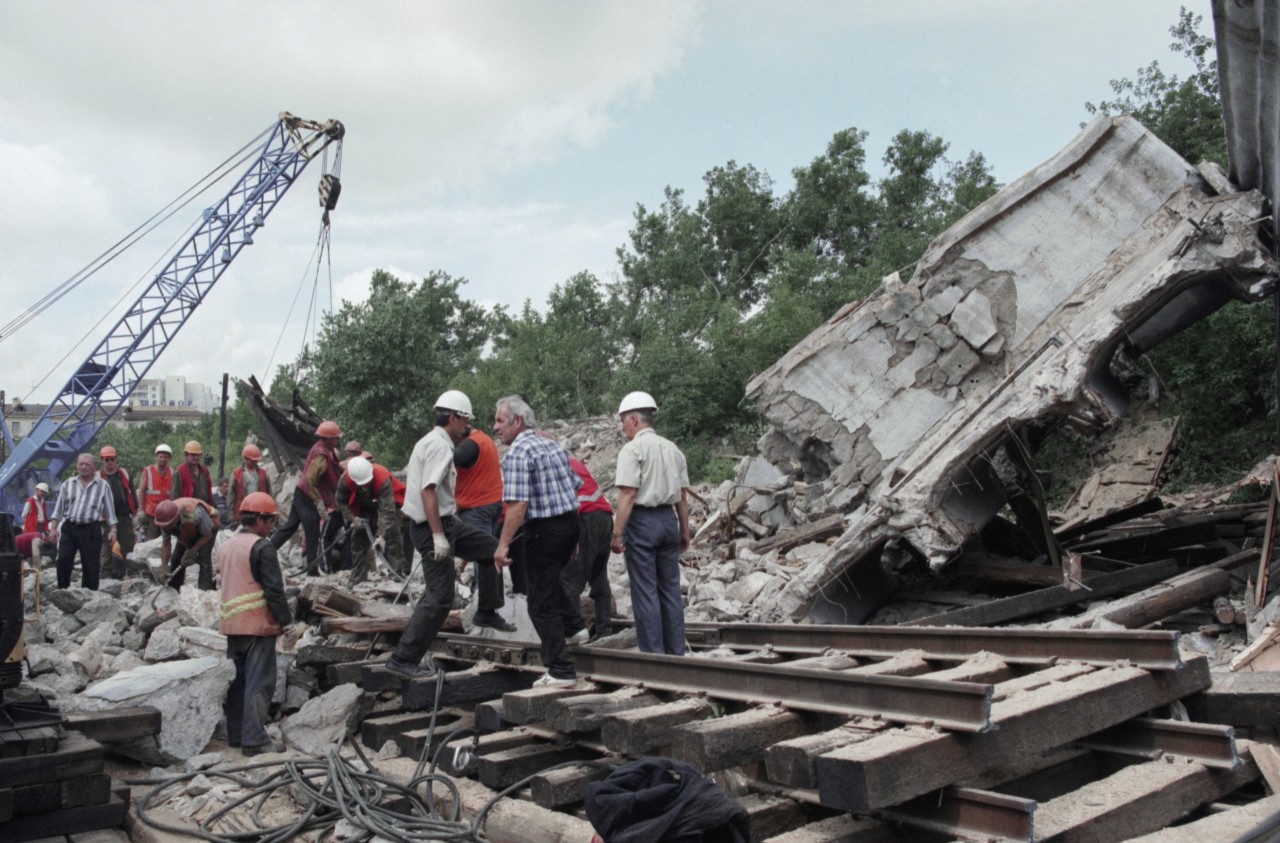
101	384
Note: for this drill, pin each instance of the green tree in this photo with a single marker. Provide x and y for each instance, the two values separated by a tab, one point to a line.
380	365
1184	113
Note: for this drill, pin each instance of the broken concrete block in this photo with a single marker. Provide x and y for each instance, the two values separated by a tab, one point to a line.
746	588
69	600
1110	246
157	606
189	694
164	643
196	607
196	642
323	721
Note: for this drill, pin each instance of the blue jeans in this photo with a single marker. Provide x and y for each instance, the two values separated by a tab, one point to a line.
652	544
249	697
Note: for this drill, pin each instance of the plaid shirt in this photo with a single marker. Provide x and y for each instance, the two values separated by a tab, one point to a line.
536	470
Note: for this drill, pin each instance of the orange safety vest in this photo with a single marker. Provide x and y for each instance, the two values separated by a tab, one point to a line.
186	529
158	486
37	520
237	486
481	484
244	604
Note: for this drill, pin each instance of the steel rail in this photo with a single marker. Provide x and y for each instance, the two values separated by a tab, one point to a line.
1210	744
1148	649
959	706
968	813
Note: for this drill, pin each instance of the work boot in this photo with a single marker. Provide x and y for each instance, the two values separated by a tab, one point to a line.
579	637
269	746
409	669
493	620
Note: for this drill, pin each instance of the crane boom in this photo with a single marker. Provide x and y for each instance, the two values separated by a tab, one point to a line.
103	382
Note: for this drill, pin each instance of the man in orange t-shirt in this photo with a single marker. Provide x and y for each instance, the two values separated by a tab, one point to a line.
478	491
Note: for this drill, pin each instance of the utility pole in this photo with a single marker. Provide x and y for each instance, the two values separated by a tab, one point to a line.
222	432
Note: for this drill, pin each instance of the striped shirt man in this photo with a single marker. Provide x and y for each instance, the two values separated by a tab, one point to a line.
84	503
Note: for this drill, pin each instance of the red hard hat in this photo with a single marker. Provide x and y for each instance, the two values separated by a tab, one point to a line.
107	451
259	502
166	513
251	452
328	430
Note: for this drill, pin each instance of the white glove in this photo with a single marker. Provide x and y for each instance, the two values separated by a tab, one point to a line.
439	547
358	523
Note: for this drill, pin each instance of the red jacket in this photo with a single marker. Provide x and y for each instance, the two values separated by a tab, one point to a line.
237	487
37	520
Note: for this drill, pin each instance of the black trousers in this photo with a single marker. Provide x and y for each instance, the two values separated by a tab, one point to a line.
87	539
590	565
548	544
433	607
488	575
249	697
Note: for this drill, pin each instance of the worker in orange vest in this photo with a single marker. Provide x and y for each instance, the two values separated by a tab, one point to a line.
191	479
194	523
247	478
154	485
254	613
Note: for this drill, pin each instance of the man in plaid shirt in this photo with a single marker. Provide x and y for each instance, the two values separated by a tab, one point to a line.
541	492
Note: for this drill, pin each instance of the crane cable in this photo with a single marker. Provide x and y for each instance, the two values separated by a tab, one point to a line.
181	201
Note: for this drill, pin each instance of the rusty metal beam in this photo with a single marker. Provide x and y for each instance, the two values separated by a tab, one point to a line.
1210	744
959	706
969	813
1149	649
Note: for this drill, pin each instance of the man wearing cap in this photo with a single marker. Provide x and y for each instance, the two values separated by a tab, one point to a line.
314	495
247	478
154	486
541	492
125	505
80	517
35	518
651	526
437	532
478	493
367	500
194	523
191	479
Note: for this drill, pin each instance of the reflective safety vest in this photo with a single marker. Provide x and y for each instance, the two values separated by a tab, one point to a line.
237	487
244	604
37	520
158	486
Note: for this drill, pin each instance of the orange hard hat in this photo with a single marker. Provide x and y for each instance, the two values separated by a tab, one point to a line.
259	502
166	513
107	451
192	447
251	452
328	430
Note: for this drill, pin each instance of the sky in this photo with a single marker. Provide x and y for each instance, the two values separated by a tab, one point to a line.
504	143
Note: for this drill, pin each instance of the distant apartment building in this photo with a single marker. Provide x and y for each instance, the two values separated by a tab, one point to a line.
171	400
173	391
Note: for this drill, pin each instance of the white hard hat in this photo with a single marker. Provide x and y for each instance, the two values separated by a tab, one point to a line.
43	487
456	401
164	449
360	469
637	401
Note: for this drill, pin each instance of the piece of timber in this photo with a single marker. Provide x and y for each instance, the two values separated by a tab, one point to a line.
412	742
1056	597
377	729
567	785
770	815
529	705
734	739
363	626
576	715
904	763
839	829
1238	699
963	706
65	821
1232	824
969	813
792	762
416	740
506	767
1138	799
353	672
476	684
119	724
1148	544
1208	743
76	756
1068	532
1183	591
646	729
1154	650
489	716
984	667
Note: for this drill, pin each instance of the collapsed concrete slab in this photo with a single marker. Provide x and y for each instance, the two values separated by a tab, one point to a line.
910	410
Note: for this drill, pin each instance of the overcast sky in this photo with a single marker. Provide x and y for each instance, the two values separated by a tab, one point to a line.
507	143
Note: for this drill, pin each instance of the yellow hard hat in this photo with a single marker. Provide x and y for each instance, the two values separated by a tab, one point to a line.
192	447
